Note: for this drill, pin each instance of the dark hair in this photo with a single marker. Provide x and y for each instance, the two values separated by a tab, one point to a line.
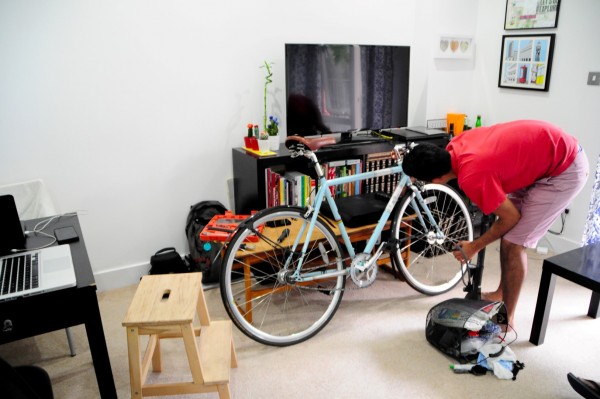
427	162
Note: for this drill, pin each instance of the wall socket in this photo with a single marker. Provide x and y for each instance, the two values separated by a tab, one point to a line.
593	79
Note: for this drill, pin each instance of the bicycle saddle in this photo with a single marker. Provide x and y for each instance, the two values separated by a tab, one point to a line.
292	142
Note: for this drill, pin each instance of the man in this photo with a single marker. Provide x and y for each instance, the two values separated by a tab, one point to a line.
524	172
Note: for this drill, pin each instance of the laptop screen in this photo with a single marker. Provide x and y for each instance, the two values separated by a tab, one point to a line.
11	231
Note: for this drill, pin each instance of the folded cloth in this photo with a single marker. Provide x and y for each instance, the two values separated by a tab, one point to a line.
586	388
499	359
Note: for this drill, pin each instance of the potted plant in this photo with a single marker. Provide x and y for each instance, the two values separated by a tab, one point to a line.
267	81
273	131
250	141
263	142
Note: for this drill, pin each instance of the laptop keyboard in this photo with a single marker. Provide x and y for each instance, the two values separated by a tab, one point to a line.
19	273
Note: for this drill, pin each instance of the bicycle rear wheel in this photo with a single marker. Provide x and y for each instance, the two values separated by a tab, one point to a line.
427	263
258	289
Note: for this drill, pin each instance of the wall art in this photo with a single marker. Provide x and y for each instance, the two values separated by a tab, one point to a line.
526	61
531	14
452	46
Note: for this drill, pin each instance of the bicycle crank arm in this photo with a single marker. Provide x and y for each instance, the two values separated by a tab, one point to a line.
372	259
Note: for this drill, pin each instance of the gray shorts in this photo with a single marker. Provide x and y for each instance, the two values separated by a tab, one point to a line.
541	203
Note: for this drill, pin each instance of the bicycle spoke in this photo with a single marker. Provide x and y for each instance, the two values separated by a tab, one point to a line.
258	289
428	264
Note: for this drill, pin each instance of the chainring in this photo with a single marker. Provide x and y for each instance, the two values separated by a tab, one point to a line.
363	276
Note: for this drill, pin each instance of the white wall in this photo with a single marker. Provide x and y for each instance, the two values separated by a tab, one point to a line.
471	86
128	110
569	103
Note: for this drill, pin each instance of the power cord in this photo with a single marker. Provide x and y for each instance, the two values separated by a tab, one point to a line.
38	229
563	219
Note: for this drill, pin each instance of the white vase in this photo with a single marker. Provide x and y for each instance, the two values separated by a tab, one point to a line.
263	145
274	143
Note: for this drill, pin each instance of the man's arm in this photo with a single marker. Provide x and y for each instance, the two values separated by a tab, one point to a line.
507	217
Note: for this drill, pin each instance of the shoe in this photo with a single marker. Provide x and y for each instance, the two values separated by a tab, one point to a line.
586	388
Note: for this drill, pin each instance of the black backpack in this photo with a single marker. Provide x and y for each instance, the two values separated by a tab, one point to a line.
204	256
167	260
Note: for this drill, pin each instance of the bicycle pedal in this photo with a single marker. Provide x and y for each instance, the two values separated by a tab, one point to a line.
324	290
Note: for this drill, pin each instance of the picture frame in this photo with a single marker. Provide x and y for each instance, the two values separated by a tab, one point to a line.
526	61
454	47
531	14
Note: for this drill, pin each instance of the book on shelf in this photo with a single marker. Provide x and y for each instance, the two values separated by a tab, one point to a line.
377	161
274	188
288	188
297	188
342	168
354	166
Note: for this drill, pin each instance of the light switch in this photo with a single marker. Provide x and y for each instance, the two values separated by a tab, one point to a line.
594	79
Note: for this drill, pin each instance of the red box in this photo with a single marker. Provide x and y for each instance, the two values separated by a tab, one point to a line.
222	227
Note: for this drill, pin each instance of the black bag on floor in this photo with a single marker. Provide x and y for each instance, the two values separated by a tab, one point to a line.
204	256
458	327
166	261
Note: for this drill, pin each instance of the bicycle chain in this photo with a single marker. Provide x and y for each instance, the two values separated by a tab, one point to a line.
353	286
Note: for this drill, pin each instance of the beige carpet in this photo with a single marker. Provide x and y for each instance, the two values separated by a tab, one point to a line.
374	347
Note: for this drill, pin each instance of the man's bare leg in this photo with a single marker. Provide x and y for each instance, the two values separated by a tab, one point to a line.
513	264
495	296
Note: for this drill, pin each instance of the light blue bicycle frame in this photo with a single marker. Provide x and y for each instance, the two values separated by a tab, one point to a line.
325	193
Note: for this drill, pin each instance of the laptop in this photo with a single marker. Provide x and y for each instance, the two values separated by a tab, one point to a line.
415	133
426	130
24	273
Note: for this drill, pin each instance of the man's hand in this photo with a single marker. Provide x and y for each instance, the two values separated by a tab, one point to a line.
507	217
468	248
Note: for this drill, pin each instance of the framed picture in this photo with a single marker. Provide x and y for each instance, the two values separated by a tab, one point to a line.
526	61
453	46
531	14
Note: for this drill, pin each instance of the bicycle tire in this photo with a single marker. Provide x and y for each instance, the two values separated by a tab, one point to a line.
260	301
428	265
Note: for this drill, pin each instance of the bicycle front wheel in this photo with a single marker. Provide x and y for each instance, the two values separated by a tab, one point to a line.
259	284
426	261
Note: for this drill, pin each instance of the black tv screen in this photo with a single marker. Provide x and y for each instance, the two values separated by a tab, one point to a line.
345	88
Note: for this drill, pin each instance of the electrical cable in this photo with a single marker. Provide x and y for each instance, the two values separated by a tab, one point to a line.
38	229
563	219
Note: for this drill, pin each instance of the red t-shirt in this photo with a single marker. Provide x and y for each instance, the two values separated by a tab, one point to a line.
493	161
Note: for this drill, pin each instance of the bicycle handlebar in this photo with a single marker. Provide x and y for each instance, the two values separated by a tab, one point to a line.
299	145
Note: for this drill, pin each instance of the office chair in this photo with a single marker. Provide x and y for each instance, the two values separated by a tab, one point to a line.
24	382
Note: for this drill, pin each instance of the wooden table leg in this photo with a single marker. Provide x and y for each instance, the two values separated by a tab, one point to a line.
594	301
542	307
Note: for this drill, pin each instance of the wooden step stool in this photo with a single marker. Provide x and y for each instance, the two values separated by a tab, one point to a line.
164	306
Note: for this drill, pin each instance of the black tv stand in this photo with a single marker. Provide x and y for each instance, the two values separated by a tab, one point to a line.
249	168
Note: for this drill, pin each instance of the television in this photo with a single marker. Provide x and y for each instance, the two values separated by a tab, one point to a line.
345	89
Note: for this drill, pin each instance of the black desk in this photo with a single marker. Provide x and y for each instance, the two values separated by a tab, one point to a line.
581	266
39	314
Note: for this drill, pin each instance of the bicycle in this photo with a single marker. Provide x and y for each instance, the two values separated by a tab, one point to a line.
284	270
